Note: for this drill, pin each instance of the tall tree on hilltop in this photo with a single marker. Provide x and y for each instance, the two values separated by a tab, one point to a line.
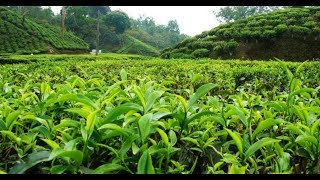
234	13
173	26
36	13
93	10
119	20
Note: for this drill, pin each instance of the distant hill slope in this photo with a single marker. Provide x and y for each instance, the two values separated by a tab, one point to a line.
291	34
25	37
135	46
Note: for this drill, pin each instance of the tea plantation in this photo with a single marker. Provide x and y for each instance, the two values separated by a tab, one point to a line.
291	34
131	114
23	36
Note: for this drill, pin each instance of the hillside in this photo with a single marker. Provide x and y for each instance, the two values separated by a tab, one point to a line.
23	36
135	46
291	34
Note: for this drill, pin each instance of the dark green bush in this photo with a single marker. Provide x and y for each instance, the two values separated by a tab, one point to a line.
210	38
225	47
281	28
200	53
180	56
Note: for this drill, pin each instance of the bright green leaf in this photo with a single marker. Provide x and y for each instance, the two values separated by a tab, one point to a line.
145	164
32	160
237	139
201	91
259	144
108	168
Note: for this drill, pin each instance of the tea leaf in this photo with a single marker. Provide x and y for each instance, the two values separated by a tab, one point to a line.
264	125
234	169
12	118
114	127
145	164
201	91
145	125
259	144
91	120
152	98
164	136
237	139
78	98
114	113
158	115
183	102
82	112
306	138
51	143
32	160
74	154
300	91
135	148
58	169
138	92
2	125
123	75
12	136
66	123
192	140
314	127
173	137
108	168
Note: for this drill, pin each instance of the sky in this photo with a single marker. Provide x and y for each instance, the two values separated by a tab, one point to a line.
192	20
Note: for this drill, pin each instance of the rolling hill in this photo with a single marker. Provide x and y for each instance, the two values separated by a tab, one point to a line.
23	36
291	34
135	46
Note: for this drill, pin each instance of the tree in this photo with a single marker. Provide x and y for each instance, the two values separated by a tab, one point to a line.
63	19
93	10
119	20
79	22
173	26
98	33
145	24
36	13
159	36
234	13
48	14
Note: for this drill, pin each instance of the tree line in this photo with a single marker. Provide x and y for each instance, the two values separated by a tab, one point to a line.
113	26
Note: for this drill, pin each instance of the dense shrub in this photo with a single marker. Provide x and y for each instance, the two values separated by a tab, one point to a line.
225	47
180	56
295	22
114	114
210	38
30	37
281	28
200	53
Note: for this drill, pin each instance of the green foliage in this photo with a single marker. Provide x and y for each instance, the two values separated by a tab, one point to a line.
200	53
159	36
37	13
234	13
26	37
134	46
180	56
114	27
119	20
281	28
225	47
254	33
112	113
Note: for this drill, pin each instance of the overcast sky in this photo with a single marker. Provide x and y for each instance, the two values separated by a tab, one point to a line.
192	20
